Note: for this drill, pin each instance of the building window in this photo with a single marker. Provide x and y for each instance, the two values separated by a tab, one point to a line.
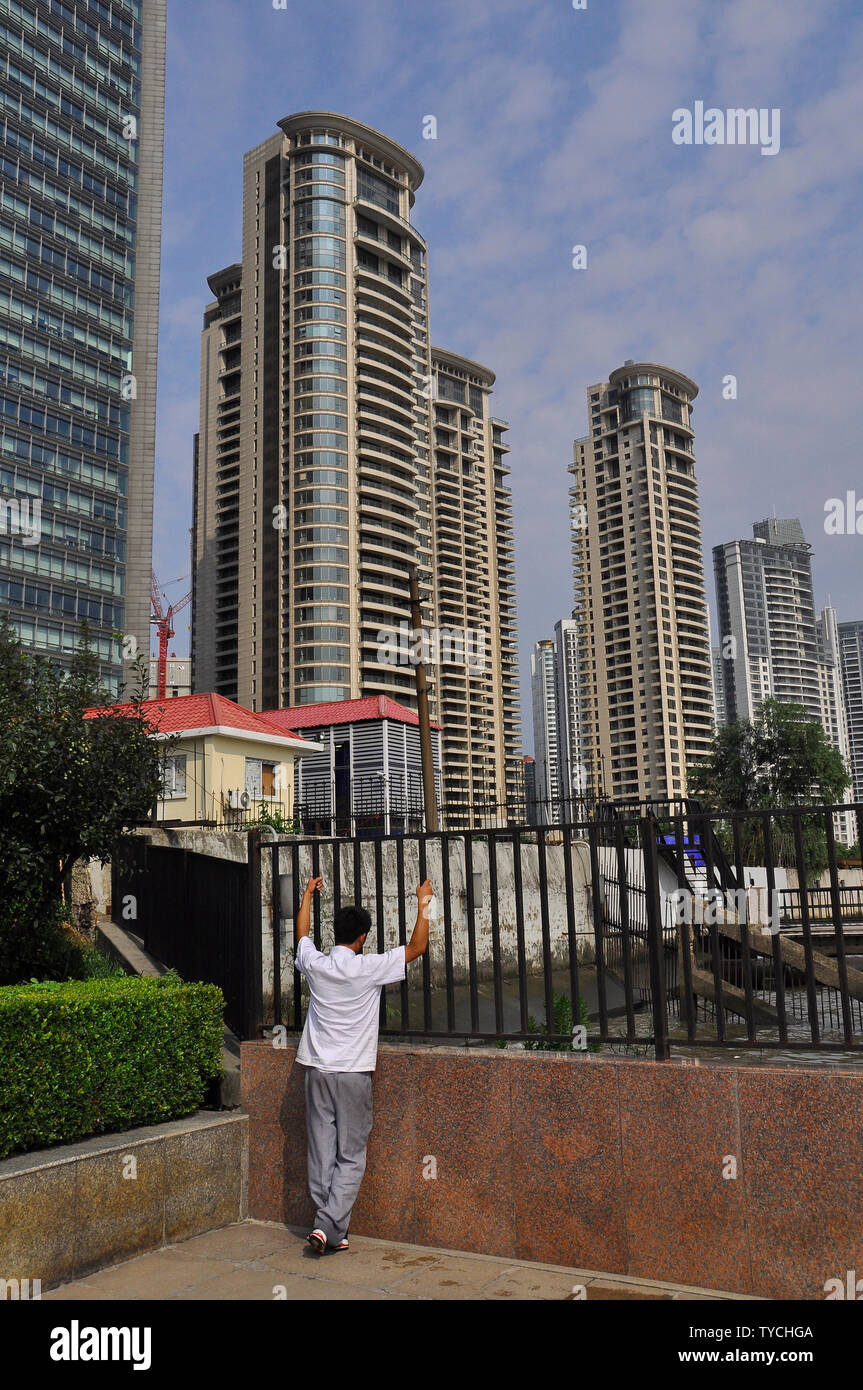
260	778
174	777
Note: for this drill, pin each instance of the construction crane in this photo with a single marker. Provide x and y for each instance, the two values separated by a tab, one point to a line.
164	621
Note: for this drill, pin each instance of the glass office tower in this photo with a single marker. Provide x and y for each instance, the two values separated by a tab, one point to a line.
82	109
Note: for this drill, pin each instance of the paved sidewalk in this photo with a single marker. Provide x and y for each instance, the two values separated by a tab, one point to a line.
257	1260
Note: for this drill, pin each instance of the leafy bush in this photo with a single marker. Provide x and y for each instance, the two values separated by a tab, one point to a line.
271	816
562	1022
94	1056
98	966
39	942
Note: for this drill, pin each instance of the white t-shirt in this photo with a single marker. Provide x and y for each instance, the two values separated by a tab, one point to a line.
341	1032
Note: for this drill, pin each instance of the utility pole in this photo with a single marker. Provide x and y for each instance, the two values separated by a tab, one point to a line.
429	792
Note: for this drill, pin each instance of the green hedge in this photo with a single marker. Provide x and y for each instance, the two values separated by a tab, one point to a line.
88	1057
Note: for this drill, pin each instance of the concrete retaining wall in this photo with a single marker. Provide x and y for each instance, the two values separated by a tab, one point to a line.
67	1211
592	1162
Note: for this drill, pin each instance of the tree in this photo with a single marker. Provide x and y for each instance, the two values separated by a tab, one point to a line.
782	760
69	786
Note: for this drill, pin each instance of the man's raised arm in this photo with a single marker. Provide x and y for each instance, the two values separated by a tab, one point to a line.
418	944
304	916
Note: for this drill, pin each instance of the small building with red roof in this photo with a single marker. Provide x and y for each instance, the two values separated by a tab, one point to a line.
366	778
224	763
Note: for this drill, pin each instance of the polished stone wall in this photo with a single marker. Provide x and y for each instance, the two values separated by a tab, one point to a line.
67	1211
624	1167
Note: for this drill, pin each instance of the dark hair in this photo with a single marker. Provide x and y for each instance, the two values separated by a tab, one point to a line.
349	923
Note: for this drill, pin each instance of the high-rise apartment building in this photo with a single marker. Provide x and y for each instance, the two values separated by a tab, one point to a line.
543	684
718	687
833	715
321	479
645	685
474	573
766	608
774	643
571	773
82	89
851	661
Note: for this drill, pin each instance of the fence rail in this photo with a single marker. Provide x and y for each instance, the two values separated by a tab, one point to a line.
652	927
669	931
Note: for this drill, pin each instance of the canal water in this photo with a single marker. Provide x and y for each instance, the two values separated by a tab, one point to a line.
736	1050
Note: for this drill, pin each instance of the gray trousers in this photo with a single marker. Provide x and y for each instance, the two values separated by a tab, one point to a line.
338	1124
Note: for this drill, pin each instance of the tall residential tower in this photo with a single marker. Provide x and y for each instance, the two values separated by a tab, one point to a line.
645	684
474	569
851	659
768	631
321	479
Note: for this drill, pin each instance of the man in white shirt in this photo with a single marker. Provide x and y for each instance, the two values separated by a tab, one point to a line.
339	1050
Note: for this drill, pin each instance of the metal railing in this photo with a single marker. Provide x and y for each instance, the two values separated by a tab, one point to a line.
654	928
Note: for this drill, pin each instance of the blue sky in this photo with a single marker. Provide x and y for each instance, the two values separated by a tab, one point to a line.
554	129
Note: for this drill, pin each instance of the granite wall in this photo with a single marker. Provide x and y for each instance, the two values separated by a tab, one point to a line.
597	1163
69	1210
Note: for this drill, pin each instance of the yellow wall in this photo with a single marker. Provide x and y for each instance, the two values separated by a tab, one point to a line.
216	764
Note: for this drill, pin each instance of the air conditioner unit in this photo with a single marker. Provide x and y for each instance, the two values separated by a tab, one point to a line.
245	800
234	798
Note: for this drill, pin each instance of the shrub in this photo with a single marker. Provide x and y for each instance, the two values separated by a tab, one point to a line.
562	1022
39	943
94	1056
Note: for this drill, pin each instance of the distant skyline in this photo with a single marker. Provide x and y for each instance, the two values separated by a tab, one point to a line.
554	130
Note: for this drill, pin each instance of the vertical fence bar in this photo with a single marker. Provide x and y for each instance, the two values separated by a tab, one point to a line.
495	932
251	926
276	926
655	943
470	908
379	916
426	960
544	925
336	846
519	930
686	936
298	979
571	937
316	899
358	872
838	931
743	922
294	852
802	878
773	912
447	934
404	998
598	929
705	832
625	942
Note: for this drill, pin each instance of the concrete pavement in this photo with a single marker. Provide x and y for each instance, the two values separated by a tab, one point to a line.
259	1260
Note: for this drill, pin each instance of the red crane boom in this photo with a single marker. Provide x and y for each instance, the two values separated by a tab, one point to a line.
164	622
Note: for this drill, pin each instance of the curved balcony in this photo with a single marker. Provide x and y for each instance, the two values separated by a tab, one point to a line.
384	285
368	324
389	219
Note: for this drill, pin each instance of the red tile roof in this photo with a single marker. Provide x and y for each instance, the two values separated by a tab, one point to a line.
342	712
174	716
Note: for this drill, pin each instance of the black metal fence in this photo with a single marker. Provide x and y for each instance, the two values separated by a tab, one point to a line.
198	915
673	930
